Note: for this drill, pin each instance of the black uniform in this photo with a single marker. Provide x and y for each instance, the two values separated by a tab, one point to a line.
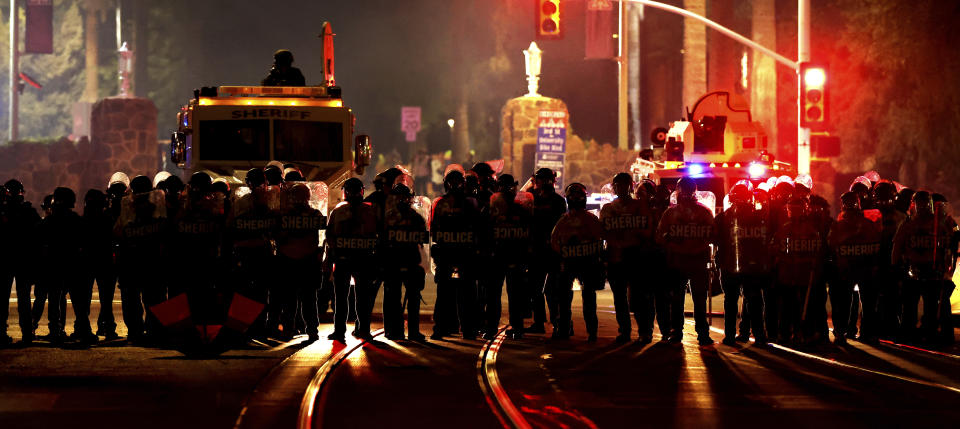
548	207
19	252
578	239
405	231
454	224
352	235
99	265
61	236
921	246
250	233
511	227
743	257
141	230
299	256
855	245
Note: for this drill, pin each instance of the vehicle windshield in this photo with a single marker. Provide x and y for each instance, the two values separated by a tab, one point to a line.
308	141
235	140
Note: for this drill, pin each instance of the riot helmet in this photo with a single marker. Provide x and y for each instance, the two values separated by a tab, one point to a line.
923	203
885	194
141	184
544	179
508	186
483	170
576	195
403	195
352	190
299	195
796	208
453	182
622	185
291	174
273	174
47	204
740	194
255	178
384	180
283	58
686	189
649	188
200	182
159	178
119	177
64	198
220	185
471	184
14	190
94	201
849	201
904	200
803	184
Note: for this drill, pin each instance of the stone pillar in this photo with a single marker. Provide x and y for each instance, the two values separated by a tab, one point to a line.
518	132
694	54
123	137
763	79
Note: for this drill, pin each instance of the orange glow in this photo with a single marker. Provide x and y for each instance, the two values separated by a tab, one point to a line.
814	77
262	101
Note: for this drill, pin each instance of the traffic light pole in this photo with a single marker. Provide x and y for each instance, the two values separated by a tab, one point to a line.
14	70
803	54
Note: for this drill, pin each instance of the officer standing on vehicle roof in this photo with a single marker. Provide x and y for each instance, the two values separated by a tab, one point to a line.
351	235
19	252
578	239
628	229
298	254
454	222
511	224
283	73
743	256
404	231
548	206
855	244
686	232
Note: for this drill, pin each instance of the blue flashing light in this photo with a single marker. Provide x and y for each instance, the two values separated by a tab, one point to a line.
695	169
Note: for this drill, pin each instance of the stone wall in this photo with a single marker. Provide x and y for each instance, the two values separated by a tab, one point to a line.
123	138
590	163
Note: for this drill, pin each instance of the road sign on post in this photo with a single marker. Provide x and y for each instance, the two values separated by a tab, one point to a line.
410	121
551	142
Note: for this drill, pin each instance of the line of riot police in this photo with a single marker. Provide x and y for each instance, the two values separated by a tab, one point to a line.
776	246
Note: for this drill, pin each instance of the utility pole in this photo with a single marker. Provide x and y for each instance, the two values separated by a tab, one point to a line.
624	74
13	134
803	55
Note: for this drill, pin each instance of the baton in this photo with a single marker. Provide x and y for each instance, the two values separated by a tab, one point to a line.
806	299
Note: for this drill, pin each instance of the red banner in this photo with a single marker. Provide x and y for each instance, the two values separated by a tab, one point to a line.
600	29
38	35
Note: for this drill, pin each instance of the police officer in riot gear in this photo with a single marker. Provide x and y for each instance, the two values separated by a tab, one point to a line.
548	207
888	276
511	223
486	187
855	246
250	228
117	188
578	239
817	309
283	73
799	253
404	232
742	255
921	246
98	254
686	232
298	254
628	229
454	222
19	252
141	230
60	236
351	235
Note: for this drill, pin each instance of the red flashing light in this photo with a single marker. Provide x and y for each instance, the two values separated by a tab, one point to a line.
813	97
548	24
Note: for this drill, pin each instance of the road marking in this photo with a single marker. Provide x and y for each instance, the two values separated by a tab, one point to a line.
501	405
851	366
919	349
306	416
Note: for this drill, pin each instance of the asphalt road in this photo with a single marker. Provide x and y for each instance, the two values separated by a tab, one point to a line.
534	382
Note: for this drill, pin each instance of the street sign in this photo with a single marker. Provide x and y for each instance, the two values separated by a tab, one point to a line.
551	142
410	121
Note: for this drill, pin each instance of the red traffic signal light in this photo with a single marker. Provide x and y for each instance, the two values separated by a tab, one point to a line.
814	112
548	14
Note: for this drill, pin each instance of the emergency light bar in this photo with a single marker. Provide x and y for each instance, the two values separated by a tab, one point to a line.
278	91
263	101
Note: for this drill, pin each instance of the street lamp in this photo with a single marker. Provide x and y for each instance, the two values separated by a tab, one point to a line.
124	68
532	58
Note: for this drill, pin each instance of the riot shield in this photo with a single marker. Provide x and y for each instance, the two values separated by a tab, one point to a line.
146	205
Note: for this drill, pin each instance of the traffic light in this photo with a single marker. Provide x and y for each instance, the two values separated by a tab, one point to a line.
548	16
814	112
